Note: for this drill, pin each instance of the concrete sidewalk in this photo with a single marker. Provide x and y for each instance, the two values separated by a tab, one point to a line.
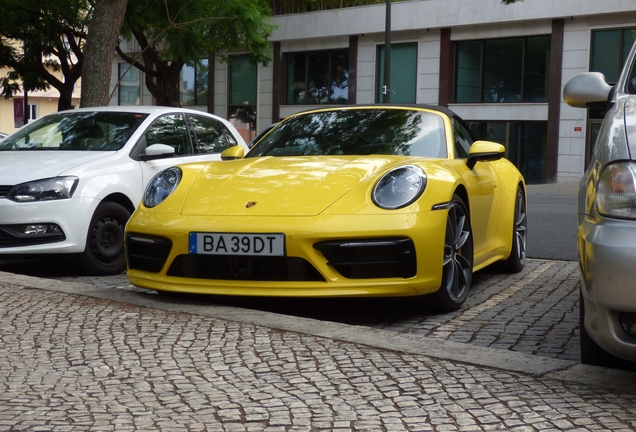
80	357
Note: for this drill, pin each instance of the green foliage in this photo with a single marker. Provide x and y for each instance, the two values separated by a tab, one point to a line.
172	33
190	30
38	37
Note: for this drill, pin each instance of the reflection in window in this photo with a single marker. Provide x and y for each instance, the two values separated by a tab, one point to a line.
129	84
318	77
503	70
210	135
87	131
403	83
243	91
610	49
193	84
357	132
170	130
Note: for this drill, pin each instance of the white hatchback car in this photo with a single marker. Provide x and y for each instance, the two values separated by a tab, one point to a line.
69	181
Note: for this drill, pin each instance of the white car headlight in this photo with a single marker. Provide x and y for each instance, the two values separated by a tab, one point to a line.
161	186
616	191
399	187
44	190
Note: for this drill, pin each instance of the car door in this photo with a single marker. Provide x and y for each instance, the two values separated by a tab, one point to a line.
481	188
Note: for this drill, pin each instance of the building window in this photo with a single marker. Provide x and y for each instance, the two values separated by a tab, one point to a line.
129	85
317	77
193	85
525	142
503	70
242	95
403	82
610	49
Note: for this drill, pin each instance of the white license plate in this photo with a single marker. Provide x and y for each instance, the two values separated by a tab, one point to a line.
237	244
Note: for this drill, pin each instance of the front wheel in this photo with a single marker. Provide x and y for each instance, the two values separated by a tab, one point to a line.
457	266
104	252
517	259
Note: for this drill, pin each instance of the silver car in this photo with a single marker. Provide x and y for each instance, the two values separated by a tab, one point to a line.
607	220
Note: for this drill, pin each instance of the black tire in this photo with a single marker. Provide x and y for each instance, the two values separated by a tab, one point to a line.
104	252
457	266
592	353
517	259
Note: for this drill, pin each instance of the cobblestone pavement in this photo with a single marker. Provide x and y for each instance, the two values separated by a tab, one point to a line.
533	312
76	357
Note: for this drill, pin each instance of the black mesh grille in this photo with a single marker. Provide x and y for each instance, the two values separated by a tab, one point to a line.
147	253
252	268
371	259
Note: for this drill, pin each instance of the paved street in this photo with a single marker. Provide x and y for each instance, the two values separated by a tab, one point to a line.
96	354
87	356
533	312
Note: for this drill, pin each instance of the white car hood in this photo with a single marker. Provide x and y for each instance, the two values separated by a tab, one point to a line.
22	166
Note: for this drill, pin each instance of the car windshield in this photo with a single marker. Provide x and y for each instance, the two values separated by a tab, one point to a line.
94	130
357	132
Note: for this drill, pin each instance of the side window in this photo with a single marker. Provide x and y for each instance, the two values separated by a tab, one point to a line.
170	130
209	135
463	140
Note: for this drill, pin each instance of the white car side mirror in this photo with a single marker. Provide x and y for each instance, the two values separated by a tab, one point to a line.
158	151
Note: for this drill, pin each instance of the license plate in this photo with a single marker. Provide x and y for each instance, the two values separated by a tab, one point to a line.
237	244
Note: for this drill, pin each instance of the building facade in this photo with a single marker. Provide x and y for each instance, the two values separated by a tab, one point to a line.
501	68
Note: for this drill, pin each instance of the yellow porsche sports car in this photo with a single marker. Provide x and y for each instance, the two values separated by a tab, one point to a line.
375	200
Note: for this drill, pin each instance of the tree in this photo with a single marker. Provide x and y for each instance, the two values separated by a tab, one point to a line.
39	38
103	35
172	33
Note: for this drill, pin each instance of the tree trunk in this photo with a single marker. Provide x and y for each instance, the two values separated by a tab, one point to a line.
103	34
65	101
165	86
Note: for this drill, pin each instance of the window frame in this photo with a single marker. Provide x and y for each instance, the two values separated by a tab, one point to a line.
196	92
482	69
307	68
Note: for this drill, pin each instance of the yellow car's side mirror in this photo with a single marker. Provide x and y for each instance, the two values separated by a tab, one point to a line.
484	151
233	153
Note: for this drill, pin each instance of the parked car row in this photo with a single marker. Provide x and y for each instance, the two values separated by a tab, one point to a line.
349	201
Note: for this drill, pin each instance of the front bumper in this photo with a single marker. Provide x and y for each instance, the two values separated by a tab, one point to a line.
71	215
306	238
607	256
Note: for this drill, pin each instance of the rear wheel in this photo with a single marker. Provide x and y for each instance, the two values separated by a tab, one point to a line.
457	266
517	259
104	252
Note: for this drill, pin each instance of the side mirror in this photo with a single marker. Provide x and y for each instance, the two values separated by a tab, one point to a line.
587	90
484	151
157	151
233	153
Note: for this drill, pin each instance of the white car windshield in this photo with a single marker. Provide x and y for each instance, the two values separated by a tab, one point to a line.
86	130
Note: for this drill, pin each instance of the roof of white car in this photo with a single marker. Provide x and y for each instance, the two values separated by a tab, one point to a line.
144	109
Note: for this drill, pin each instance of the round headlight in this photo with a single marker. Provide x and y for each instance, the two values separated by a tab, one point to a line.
616	191
161	186
399	187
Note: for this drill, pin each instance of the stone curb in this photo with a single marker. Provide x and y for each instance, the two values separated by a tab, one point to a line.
537	366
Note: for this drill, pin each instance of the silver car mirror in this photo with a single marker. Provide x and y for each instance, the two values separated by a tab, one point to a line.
587	90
